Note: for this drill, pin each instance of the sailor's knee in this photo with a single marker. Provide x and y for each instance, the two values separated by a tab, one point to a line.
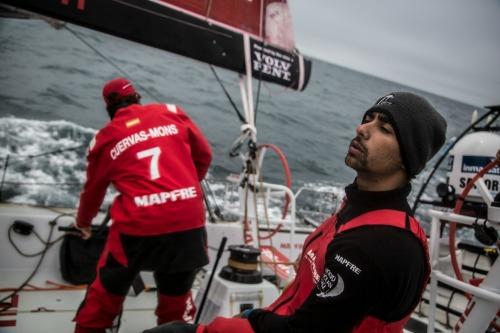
115	278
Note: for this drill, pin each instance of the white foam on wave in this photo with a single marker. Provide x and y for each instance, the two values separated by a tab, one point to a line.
56	179
43	168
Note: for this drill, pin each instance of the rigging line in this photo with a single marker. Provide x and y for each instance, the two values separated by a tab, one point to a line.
53	152
57	151
209	9
257	100
48	184
207	203
217	210
258	92
109	61
266	216
52	224
488	126
5	166
238	113
256	210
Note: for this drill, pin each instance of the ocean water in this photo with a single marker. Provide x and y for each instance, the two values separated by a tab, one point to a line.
50	97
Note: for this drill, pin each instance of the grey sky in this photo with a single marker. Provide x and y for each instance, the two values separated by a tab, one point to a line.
447	47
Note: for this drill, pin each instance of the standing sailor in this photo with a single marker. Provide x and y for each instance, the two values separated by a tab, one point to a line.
155	157
365	268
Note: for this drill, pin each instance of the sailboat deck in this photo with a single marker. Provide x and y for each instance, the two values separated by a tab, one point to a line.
49	310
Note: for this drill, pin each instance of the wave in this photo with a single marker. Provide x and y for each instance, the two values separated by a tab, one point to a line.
44	163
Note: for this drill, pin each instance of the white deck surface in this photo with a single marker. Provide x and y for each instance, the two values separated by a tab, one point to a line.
53	311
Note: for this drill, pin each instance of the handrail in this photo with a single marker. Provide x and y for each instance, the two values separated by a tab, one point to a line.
292	218
438	216
486	294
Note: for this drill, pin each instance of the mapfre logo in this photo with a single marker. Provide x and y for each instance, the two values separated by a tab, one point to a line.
311	258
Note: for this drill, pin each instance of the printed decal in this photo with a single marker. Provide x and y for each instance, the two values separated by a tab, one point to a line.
330	285
188	310
386	99
349	265
141	136
473	164
133	122
311	258
162	197
172	108
272	63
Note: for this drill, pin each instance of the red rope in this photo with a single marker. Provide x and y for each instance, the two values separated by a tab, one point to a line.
288	174
457	210
272	232
288	183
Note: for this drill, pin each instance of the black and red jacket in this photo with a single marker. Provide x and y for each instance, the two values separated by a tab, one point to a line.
362	270
155	157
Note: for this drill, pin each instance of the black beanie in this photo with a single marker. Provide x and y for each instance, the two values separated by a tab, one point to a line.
420	129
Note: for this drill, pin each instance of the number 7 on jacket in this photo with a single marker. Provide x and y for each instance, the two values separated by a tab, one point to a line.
153	166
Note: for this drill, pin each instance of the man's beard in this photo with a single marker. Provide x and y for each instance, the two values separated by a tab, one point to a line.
357	162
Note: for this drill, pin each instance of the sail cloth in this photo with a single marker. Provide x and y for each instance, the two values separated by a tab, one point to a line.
212	31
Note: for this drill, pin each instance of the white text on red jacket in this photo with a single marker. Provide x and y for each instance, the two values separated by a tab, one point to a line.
311	257
162	197
141	136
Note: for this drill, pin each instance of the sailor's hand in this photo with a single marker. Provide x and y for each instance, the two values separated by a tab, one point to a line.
244	314
86	232
173	327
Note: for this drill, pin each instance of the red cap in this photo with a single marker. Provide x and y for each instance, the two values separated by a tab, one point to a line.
120	86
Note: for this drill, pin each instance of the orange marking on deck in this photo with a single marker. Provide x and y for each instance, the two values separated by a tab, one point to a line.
9	310
8	313
276	260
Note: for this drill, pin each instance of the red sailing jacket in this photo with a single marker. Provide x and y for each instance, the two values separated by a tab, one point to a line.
316	244
155	157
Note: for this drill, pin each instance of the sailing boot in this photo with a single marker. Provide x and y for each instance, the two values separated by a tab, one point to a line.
172	308
98	310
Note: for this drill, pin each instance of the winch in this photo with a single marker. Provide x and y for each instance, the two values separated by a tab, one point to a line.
238	286
242	265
